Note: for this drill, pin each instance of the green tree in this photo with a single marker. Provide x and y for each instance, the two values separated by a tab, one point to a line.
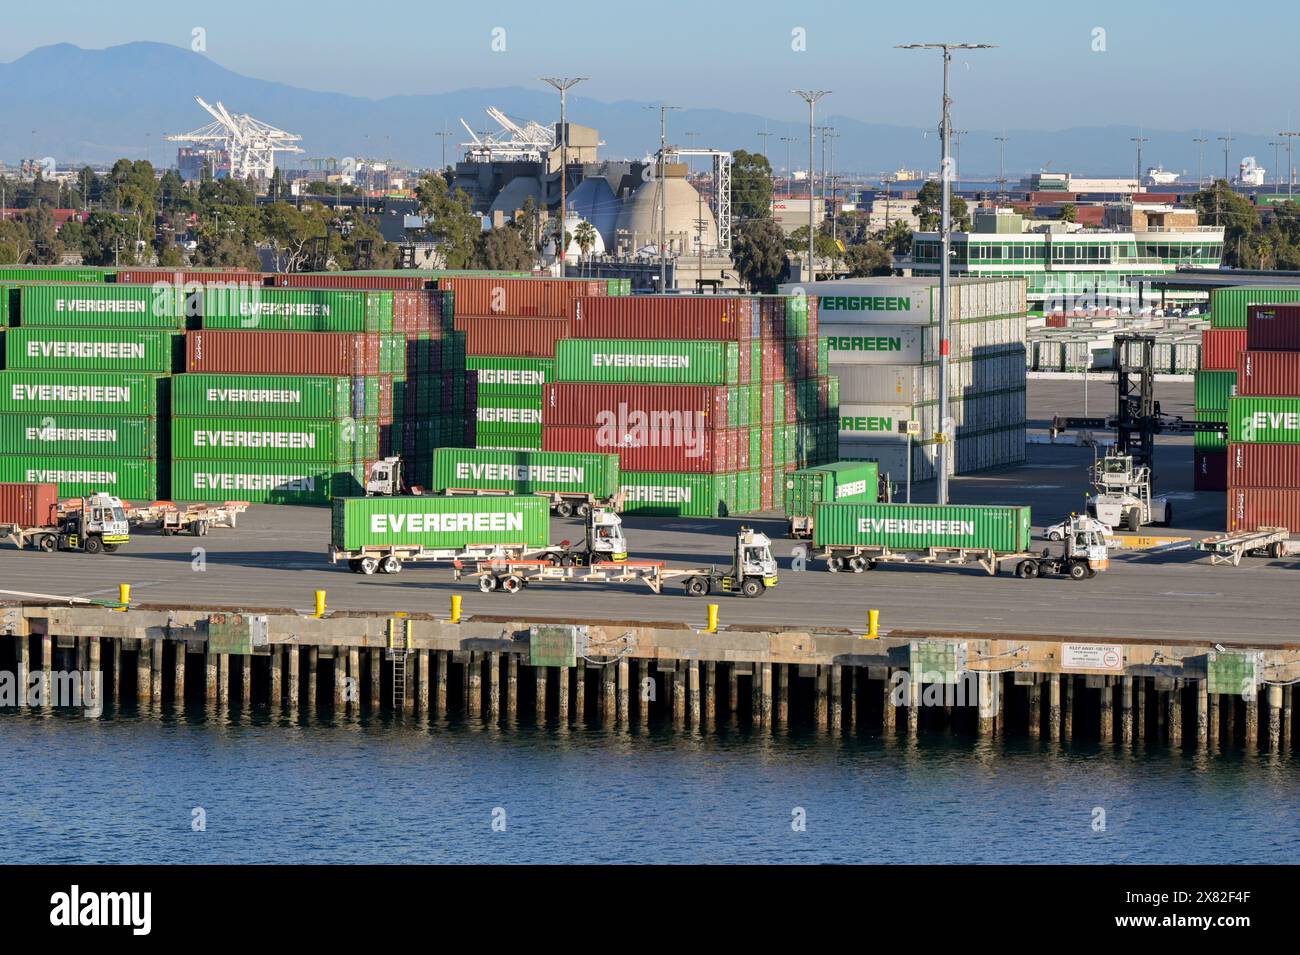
1069	212
751	186
452	223
872	257
15	243
289	232
898	236
504	249
758	250
1219	205
106	239
585	236
929	208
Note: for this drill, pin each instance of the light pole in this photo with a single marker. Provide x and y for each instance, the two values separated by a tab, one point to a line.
787	140
443	136
563	85
662	193
957	134
945	131
1277	171
1290	168
810	97
1139	140
1226	140
1200	160
1002	167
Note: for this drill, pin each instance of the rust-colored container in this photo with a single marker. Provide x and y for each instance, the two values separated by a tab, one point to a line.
29	505
396	283
518	297
1211	470
1220	348
678	317
1273	327
1250	508
188	277
1268	373
283	353
512	337
1260	465
768	489
591	405
696	452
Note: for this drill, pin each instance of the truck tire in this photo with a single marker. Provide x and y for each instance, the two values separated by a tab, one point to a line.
1131	519
1027	569
1169	516
367	565
835	564
512	584
487	583
564	509
566	560
46	543
1277	550
751	587
696	587
199	528
93	545
1078	570
583	510
859	564
390	565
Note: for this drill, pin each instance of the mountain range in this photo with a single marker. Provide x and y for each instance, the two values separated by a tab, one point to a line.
95	106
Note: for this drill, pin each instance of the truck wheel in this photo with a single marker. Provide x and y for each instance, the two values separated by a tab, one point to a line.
1277	550
752	587
1131	519
566	560
390	565
1169	516
1078	570
564	509
835	564
512	584
199	529
47	543
696	586
1027	569
367	565
487	583
584	509
857	564
94	545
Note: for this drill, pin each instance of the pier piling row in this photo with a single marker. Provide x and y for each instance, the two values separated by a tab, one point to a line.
902	684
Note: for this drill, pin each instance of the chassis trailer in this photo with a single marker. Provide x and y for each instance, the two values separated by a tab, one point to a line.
196	520
562	503
1272	542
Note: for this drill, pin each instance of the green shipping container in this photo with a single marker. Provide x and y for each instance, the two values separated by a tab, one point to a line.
340	441
843	482
526	472
254	308
1228	305
91	349
275	396
73	434
1207	440
440	523
647	362
83	392
1214	388
507	440
511	376
1264	421
511	414
129	478
679	495
54	273
919	526
102	306
263	482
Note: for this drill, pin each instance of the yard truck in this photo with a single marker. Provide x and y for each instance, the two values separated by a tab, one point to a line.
31	516
860	537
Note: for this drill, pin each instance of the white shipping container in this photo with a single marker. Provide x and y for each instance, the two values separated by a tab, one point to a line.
892	460
865	344
878	423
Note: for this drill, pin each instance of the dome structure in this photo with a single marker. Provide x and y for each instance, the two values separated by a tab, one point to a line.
515	194
593	200
574	252
638	222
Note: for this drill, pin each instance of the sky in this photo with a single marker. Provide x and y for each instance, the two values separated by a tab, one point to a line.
1164	65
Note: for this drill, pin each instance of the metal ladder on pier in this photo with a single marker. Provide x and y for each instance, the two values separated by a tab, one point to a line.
399	649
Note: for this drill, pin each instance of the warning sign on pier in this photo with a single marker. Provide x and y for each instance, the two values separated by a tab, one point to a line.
1092	656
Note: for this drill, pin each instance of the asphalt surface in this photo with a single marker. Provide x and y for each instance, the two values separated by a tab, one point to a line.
277	558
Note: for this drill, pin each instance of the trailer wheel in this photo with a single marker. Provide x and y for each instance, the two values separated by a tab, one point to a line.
367	565
1078	570
835	564
564	509
1277	550
512	584
1027	569
45	543
583	510
858	564
567	560
390	565
94	545
696	586
487	583
199	529
751	587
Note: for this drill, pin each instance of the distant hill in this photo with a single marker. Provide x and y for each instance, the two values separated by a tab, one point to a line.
99	105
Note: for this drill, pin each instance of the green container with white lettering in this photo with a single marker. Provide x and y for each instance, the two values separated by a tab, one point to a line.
669	494
510	414
102	306
1264	420
647	362
440	523
83	392
127	436
338	441
921	526
511	376
76	475
263	482
91	349
842	482
278	396
526	472
255	308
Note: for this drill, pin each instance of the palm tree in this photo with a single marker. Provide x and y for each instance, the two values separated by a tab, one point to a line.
585	236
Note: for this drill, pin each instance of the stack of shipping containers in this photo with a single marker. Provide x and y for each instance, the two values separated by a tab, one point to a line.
1263	461
1216	383
883	338
707	401
83	397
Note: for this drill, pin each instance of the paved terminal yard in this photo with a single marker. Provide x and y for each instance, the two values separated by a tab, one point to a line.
277	558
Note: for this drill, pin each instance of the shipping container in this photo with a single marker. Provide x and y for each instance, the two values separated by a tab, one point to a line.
439	523
29	505
1250	508
920	526
1210	470
497	440
1220	348
351	280
282	396
1264	420
1273	327
842	482
65	348
1262	465
686	451
190	277
510	413
263	482
1209	440
114	306
92	435
83	392
1228	306
1213	389
657	407
294	353
525	472
500	296
55	273
77	476
296	309
681	317
683	495
339	441
1268	373
879	345
648	361
515	376
512	337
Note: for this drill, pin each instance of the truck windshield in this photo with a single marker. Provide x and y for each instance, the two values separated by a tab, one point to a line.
119	514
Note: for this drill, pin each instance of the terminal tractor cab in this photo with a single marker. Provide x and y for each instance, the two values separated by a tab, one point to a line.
99	526
603	541
1083	553
752	573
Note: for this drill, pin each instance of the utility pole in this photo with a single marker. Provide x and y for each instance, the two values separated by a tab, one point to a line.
1277	170
1290	168
661	193
443	136
787	140
1226	140
1200	160
810	97
563	85
957	134
1002	166
762	135
1139	140
943	438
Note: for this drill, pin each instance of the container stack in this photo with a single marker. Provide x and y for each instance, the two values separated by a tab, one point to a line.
85	385
883	339
707	401
1216	383
1263	459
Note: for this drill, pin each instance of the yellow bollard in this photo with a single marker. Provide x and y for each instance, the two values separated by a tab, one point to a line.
320	603
455	608
873	624
124	596
713	619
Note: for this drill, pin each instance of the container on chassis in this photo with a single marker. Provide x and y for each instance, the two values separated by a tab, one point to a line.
844	482
569	482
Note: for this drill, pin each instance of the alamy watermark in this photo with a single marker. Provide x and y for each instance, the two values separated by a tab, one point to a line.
83	690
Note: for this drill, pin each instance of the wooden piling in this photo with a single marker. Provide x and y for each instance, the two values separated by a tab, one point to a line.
474	702
835	676
763	674
645	689
1229	720
1054	708
693	691
851	696
1273	700
1202	714
354	679
733	690
440	690
783	694
277	678
155	671
889	712
223	680
178	691
821	701
313	662
494	685
1211	718
47	670
512	686
1286	716
22	650
913	704
984	688
679	695
711	693
1126	710
608	693
295	660
1141	730
1035	693
376	666
115	654
580	692
562	695
623	690
1107	708
539	676
143	693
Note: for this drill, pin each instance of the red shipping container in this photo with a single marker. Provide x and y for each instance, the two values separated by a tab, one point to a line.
188	277
282	353
590	405
1262	465
1250	508
680	317
767	491
29	505
1210	470
1220	348
518	297
1268	373
1273	327
512	337
350	280
697	452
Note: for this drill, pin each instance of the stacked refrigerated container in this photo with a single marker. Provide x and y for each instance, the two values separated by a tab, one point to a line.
707	400
1216	383
85	386
1263	455
884	346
